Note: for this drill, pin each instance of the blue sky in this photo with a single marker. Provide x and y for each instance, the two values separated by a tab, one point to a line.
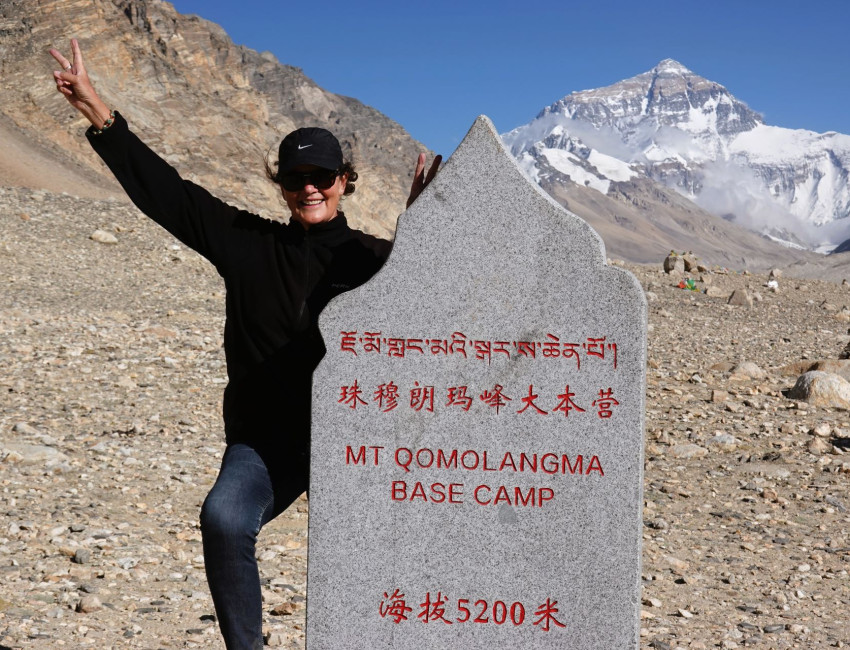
434	66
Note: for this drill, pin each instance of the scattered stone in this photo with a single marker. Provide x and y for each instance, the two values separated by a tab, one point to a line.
723	366
749	369
89	604
688	451
81	323
674	264
25	429
26	454
740	298
283	609
818	446
724	441
822	430
714	291
691	262
103	237
822	389
677	565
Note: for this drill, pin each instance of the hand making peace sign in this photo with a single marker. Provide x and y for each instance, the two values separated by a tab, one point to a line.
73	82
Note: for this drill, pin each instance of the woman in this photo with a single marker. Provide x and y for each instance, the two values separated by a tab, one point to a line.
278	278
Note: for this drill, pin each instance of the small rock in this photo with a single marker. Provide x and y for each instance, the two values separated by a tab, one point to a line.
822	430
25	429
718	396
89	604
283	609
749	369
691	262
678	566
818	446
740	298
724	441
688	451
715	292
33	454
103	237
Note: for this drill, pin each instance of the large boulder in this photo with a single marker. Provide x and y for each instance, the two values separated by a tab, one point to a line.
749	369
822	389
674	264
741	298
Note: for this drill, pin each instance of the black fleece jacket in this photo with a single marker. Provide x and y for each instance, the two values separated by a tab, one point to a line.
278	279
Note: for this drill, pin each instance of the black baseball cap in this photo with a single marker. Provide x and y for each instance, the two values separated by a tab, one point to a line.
309	146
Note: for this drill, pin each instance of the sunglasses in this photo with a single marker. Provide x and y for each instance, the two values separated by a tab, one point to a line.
321	179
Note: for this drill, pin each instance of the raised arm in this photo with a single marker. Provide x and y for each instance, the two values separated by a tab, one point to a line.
190	213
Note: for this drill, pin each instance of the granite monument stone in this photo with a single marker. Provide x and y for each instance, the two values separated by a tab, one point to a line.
477	436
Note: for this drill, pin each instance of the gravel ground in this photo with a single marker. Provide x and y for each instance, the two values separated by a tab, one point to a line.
111	373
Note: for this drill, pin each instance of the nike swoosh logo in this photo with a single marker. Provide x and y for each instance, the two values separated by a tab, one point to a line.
304	147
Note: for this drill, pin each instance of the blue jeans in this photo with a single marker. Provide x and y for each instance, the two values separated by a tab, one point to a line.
253	487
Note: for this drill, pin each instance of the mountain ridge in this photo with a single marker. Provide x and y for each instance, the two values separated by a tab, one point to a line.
692	135
214	109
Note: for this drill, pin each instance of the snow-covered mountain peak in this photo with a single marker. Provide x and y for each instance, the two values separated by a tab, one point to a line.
668	95
693	135
671	67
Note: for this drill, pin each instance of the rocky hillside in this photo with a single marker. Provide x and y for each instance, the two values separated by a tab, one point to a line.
641	221
213	109
111	376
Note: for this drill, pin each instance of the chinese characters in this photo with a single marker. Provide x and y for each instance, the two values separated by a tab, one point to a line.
436	609
387	397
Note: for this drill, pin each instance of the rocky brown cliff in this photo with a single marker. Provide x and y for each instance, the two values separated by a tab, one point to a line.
212	108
